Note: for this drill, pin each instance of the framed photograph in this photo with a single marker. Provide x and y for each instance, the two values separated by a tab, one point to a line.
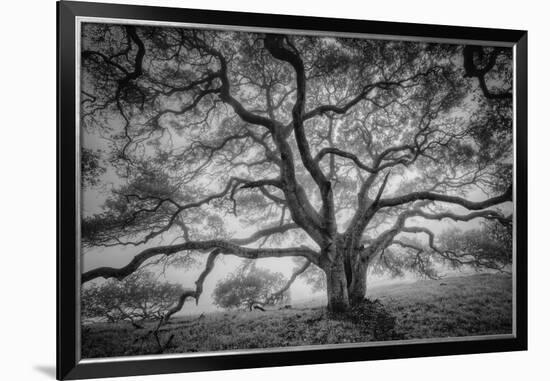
244	190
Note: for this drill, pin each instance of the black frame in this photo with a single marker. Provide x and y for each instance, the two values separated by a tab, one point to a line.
68	366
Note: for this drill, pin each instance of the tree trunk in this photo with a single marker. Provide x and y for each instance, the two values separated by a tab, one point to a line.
337	288
357	290
343	292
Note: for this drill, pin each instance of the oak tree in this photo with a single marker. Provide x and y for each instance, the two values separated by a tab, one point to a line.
333	150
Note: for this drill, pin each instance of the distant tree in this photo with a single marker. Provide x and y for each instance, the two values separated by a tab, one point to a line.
139	297
246	289
488	247
338	151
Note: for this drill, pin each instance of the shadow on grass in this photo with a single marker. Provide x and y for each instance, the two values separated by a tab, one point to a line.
372	319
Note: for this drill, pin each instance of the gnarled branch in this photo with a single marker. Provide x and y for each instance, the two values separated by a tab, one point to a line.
225	247
472	205
299	271
472	70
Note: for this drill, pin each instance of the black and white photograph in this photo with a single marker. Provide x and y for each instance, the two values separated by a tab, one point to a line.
284	190
245	189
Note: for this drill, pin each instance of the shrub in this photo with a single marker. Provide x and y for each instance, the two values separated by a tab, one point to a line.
137	298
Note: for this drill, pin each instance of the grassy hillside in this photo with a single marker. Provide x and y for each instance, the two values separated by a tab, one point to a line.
460	306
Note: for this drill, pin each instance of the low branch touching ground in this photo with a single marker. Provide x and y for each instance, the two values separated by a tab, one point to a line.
295	274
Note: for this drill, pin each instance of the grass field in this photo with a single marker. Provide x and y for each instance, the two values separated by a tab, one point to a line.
460	306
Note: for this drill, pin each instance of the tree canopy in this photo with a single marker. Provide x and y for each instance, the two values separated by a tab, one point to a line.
335	150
